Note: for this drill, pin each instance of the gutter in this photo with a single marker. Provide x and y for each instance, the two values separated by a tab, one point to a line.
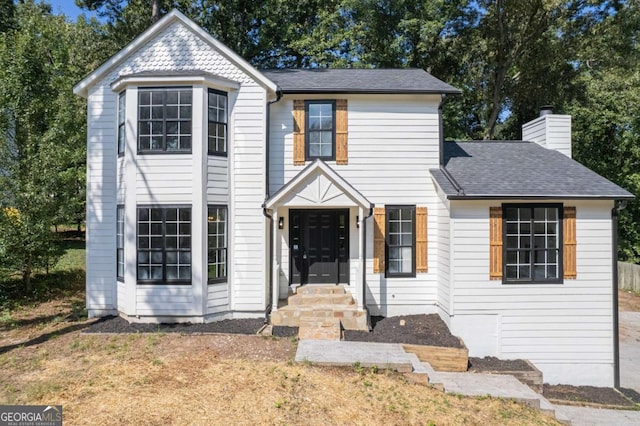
264	210
614	273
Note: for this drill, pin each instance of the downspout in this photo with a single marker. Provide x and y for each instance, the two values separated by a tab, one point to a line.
616	322
441	127
364	258
264	210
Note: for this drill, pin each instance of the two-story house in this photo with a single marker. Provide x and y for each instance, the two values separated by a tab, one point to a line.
214	187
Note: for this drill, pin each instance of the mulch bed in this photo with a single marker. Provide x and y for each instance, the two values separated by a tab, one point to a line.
490	363
231	326
427	330
282	331
589	395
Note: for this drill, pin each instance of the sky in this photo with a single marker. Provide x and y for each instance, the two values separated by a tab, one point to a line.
69	8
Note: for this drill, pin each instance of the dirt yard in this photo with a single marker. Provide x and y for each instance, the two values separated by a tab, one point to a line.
174	378
628	301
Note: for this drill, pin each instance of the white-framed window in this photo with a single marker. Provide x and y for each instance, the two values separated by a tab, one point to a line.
120	242
217	243
121	122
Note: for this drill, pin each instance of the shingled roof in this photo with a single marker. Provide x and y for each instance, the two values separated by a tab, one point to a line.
357	80
517	169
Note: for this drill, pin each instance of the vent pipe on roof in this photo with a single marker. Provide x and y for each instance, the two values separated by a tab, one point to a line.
546	110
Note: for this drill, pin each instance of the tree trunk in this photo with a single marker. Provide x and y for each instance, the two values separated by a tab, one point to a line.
26	278
155	10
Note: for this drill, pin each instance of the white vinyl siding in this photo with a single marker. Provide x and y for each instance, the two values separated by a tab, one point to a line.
185	179
556	326
101	196
392	143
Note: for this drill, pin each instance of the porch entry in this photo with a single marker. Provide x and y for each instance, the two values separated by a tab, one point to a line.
319	246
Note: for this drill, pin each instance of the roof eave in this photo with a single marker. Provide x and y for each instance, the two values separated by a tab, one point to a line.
369	92
537	197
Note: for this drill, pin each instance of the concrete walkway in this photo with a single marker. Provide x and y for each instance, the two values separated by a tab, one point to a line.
342	353
393	356
630	350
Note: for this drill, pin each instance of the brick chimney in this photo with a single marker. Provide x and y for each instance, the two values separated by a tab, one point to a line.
552	131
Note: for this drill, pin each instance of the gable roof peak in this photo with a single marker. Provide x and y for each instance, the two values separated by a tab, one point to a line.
82	88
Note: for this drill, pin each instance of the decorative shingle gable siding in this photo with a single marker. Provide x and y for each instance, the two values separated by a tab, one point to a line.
178	49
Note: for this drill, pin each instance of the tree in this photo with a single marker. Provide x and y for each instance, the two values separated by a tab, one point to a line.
42	132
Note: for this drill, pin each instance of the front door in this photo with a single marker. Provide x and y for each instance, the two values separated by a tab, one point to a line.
319	246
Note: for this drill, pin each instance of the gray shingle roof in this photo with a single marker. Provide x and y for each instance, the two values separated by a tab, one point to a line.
356	80
517	169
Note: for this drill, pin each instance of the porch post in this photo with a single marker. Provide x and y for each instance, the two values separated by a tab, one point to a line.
361	248
275	270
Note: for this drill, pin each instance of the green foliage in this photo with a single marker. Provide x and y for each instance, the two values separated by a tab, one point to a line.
42	133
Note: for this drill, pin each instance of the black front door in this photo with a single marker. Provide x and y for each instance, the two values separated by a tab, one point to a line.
319	246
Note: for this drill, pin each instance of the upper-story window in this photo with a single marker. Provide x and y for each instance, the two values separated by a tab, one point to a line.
320	129
217	130
121	121
164	120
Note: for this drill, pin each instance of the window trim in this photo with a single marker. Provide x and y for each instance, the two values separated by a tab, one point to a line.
387	273
122	108
226	244
164	281
308	157
559	237
120	207
226	123
162	151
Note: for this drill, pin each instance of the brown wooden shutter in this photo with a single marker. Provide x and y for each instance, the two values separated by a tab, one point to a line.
378	239
421	239
342	153
569	249
495	243
298	133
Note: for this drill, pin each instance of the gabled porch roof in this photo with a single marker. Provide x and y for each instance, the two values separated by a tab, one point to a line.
317	184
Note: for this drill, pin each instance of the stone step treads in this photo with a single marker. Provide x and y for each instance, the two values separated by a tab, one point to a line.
321	299
320	328
321	289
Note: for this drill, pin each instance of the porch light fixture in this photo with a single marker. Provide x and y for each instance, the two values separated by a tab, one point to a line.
281	223
358	222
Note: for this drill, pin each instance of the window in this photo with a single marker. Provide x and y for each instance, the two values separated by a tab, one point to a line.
320	129
217	243
164	120
532	249
121	121
120	243
401	241
164	245
217	122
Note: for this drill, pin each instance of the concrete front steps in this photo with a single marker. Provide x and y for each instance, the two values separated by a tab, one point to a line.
321	312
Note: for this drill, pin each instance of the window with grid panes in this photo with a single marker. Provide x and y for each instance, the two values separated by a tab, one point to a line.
532	243
121	122
320	129
164	120
120	243
217	116
164	245
400	241
217	243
